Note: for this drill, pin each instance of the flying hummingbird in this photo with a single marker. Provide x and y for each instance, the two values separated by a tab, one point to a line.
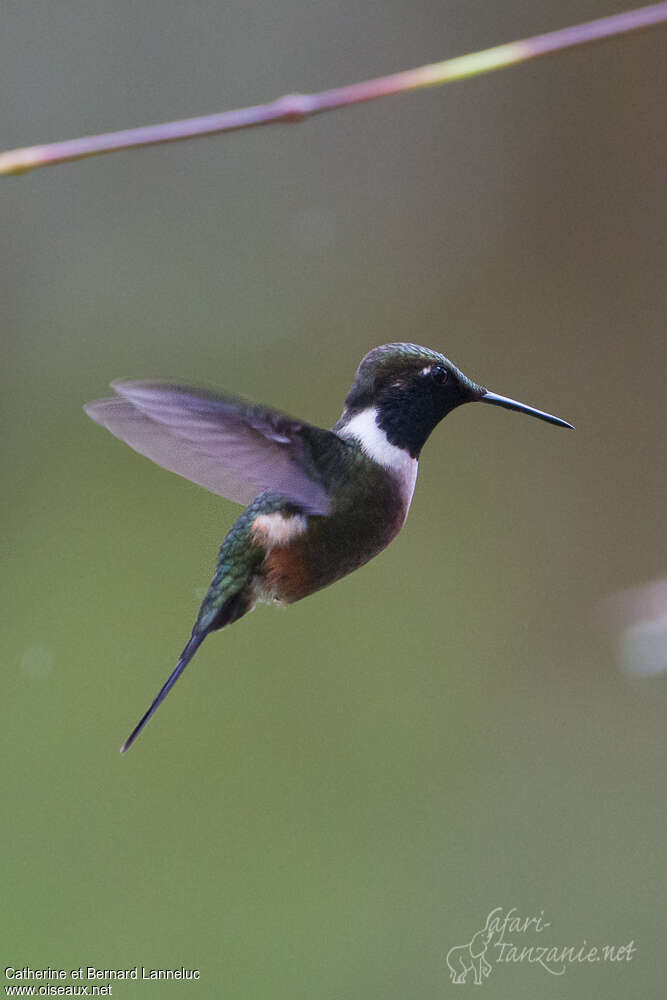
321	503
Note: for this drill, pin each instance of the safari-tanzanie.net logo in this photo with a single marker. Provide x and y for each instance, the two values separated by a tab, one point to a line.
508	938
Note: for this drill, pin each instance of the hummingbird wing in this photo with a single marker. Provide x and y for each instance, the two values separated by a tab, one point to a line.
222	443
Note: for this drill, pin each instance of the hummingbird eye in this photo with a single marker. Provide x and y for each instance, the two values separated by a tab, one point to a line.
436	373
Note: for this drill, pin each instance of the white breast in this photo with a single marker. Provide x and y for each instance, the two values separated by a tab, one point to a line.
375	444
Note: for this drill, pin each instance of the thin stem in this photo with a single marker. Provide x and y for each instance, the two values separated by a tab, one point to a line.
297	107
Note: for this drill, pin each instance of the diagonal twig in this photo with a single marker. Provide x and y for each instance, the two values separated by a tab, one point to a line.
297	107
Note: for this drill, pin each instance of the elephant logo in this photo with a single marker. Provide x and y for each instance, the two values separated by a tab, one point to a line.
465	958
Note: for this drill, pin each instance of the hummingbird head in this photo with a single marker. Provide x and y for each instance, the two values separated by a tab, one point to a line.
412	388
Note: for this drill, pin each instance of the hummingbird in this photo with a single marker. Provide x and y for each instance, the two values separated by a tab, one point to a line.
318	503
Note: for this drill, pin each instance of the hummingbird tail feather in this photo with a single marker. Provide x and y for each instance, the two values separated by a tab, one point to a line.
191	648
213	615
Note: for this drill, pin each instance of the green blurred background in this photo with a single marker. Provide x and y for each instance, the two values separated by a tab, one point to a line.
337	794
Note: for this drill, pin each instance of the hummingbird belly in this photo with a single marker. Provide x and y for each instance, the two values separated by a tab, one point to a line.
306	553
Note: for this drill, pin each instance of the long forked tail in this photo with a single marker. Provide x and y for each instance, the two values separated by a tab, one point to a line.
193	645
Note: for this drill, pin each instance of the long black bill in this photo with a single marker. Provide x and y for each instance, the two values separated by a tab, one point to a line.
513	404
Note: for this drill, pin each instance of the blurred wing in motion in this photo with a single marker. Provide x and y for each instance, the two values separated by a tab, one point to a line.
226	445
